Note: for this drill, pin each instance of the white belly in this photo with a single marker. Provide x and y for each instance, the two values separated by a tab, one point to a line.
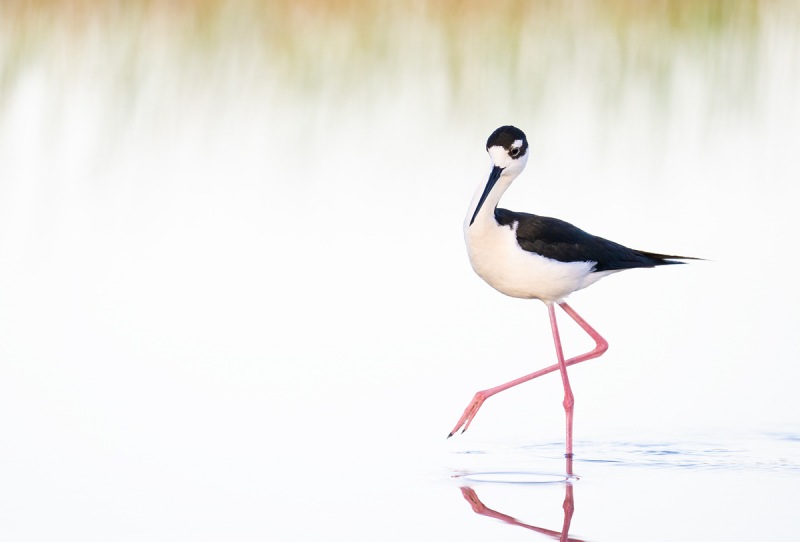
500	261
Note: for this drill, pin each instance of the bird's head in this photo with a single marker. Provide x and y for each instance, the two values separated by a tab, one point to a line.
508	149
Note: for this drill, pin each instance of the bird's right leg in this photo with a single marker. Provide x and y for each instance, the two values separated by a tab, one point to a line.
601	345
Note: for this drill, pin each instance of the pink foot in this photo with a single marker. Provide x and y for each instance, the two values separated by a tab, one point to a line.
469	412
601	345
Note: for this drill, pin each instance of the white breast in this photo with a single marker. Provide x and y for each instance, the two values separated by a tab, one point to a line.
498	259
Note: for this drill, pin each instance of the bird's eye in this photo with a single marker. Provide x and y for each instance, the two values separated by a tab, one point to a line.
514	152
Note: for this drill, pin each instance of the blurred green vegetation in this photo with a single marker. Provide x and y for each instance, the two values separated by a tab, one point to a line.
353	49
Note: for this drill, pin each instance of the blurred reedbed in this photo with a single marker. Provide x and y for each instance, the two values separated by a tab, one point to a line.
345	52
234	291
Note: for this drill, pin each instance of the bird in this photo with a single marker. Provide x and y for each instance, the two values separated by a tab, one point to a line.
528	256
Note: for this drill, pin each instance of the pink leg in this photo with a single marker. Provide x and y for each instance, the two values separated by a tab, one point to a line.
569	509
563	536
569	399
601	345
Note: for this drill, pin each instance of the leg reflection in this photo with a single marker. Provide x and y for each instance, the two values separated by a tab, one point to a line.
569	508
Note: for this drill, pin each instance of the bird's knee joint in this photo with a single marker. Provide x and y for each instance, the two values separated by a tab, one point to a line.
569	402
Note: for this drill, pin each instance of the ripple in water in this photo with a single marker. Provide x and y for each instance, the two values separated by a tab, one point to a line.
512	477
777	453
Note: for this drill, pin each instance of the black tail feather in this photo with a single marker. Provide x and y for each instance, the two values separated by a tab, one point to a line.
666	259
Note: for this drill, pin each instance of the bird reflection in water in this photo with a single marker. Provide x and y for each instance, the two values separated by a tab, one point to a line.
569	508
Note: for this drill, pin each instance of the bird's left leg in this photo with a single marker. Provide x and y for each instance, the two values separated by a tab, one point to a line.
601	345
569	398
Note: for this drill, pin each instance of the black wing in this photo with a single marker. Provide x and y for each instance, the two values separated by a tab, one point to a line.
559	240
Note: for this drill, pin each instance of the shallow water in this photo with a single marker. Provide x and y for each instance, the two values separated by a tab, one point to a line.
235	303
724	488
775	453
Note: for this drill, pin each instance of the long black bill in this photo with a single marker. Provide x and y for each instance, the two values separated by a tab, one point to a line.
493	176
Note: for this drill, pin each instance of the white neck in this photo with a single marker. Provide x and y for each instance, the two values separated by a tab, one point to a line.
486	214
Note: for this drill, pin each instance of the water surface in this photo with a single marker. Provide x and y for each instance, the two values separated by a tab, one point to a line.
235	303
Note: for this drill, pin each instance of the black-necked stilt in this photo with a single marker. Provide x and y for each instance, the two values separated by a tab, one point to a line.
536	257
